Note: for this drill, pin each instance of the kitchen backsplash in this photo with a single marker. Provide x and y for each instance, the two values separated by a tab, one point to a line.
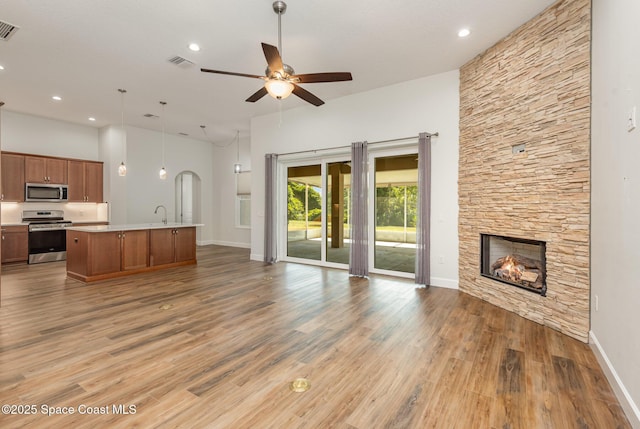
75	212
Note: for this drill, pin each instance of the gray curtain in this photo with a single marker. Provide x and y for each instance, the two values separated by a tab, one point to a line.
358	255
423	227
270	226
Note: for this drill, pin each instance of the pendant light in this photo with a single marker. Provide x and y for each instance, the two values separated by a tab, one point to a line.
122	168
237	167
163	171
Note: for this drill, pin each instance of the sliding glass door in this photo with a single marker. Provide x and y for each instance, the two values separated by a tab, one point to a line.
304	212
318	212
338	235
395	180
318	197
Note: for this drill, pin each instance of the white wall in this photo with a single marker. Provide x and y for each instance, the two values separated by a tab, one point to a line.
225	154
428	104
615	230
144	189
33	134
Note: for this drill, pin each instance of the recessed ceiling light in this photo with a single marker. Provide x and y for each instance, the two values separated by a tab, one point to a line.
194	47
464	32
56	98
92	119
1	67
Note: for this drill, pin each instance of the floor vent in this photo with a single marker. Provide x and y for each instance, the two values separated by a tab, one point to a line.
180	61
7	30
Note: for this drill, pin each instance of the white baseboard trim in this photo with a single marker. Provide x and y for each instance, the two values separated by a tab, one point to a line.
621	392
446	283
231	244
204	242
256	257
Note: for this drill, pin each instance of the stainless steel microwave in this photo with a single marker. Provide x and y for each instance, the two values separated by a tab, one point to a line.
45	192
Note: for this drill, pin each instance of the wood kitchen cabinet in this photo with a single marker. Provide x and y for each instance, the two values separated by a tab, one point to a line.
40	169
107	253
15	243
85	181
98	253
12	177
170	245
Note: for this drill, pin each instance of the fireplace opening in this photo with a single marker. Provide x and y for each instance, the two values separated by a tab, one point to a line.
516	261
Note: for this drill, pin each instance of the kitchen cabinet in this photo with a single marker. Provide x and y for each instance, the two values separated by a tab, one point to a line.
40	169
170	245
107	253
85	181
15	243
12	177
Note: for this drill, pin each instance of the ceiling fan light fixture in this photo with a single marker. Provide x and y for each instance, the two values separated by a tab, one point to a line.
278	88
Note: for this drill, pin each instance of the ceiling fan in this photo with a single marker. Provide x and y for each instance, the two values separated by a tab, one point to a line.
280	79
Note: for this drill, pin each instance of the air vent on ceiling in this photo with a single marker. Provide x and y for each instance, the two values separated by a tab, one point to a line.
7	30
150	115
183	134
180	61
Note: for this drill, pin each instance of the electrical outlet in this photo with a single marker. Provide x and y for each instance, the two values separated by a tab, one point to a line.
631	120
441	259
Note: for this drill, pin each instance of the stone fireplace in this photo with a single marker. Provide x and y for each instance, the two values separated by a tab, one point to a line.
515	261
524	170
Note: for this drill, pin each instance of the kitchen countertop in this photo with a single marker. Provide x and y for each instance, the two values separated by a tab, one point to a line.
131	227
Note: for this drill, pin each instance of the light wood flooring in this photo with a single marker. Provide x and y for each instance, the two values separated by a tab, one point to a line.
379	353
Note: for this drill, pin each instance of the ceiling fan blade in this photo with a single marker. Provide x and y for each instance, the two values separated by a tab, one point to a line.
231	73
306	95
257	95
273	58
322	77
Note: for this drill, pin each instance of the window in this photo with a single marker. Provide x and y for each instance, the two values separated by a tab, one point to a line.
243	199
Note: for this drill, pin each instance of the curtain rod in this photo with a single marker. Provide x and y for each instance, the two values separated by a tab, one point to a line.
436	134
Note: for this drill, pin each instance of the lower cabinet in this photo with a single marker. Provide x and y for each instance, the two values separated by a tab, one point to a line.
170	245
99	255
107	252
15	244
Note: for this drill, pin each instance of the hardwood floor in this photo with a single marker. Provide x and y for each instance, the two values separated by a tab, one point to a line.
216	346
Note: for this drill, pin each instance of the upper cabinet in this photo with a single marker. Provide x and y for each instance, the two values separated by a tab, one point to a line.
39	169
85	181
12	177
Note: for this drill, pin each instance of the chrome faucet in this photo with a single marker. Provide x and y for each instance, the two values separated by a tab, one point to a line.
164	219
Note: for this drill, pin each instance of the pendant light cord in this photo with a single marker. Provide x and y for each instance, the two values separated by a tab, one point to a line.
124	149
163	104
238	146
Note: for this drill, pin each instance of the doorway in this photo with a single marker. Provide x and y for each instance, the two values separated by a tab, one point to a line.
187	197
317	200
393	215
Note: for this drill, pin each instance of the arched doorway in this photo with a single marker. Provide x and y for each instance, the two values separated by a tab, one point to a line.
188	197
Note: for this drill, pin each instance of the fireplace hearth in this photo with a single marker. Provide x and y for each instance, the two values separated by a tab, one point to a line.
515	261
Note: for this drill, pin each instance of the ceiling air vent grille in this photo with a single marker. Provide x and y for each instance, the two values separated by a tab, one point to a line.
150	115
180	61
7	30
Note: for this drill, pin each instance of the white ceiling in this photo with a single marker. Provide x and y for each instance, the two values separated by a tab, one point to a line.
84	50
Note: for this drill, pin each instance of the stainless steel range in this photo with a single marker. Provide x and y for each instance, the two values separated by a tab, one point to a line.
47	235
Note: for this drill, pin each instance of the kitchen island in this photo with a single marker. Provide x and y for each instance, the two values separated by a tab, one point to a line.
101	252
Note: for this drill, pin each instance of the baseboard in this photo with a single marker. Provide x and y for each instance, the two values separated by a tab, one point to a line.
621	392
204	242
445	283
231	244
256	257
